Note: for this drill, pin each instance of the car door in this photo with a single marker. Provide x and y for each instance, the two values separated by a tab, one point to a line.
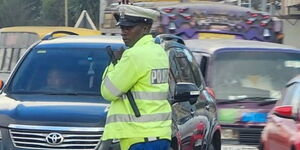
205	107
282	129
188	117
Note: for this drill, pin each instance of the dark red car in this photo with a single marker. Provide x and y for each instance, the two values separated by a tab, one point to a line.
282	131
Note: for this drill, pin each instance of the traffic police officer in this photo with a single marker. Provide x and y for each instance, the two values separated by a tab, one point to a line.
143	70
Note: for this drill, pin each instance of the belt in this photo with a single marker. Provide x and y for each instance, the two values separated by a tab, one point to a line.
149	139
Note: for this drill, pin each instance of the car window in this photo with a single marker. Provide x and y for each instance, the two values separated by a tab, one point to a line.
240	74
68	70
17	39
183	66
202	61
292	96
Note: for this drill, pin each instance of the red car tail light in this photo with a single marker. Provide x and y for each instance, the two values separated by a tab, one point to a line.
285	111
251	21
253	14
188	17
264	23
199	132
181	10
1	84
172	16
168	10
265	16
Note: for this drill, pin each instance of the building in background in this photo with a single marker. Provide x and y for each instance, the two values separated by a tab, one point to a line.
290	13
291	8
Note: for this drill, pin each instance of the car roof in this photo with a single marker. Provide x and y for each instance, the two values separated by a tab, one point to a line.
73	39
212	5
212	45
41	31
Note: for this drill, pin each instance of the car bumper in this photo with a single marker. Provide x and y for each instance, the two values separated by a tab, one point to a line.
238	147
246	136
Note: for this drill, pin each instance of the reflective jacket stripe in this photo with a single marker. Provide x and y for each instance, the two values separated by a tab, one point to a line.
111	87
144	118
148	95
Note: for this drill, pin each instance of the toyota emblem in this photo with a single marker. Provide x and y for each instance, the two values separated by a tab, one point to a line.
54	138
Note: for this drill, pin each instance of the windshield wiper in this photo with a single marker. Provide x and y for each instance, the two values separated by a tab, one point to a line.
247	99
268	102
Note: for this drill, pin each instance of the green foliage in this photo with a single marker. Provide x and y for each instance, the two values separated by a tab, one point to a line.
53	12
45	12
77	6
19	12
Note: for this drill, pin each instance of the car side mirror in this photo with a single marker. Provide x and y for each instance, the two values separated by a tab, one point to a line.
284	111
186	92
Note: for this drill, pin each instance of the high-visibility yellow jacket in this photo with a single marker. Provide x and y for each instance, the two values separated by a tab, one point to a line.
143	69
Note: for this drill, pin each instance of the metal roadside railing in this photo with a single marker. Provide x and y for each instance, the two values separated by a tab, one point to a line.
9	57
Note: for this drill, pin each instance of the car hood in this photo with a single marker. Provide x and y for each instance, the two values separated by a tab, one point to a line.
243	113
51	110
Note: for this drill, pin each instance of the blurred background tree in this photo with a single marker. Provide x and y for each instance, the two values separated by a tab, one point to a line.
77	6
52	13
19	12
45	12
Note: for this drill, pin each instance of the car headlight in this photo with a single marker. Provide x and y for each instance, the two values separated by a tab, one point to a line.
229	134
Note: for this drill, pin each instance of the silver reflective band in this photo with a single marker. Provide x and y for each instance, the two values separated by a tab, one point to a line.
143	118
195	93
111	87
149	95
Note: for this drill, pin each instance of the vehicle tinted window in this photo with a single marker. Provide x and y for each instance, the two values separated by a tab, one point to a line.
183	67
292	96
179	66
71	70
17	40
253	74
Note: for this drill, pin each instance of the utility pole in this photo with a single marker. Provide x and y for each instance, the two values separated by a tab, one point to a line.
102	6
66	13
272	7
264	5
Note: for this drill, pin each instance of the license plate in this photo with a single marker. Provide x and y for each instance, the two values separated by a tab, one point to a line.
238	147
215	36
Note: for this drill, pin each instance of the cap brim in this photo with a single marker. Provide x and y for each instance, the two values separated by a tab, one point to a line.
126	23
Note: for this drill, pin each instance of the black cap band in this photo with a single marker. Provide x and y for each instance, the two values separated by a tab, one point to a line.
132	20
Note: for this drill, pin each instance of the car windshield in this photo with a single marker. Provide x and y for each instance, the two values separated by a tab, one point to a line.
67	71
238	75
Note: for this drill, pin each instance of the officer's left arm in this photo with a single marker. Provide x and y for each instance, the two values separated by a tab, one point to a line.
121	78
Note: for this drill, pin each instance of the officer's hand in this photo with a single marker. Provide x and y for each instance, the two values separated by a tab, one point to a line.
118	54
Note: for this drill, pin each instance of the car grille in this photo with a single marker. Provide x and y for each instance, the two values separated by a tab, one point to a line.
250	136
53	137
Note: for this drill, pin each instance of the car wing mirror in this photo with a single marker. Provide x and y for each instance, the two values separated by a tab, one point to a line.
285	111
186	92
